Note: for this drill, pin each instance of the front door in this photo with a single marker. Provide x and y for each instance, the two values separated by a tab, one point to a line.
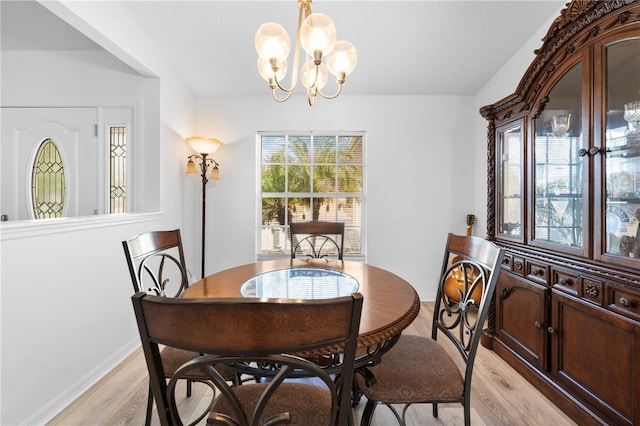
72	131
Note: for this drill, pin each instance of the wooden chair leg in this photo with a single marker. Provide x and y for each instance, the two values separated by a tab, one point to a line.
147	419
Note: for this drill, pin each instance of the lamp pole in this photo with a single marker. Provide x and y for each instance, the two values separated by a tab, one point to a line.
204	166
204	147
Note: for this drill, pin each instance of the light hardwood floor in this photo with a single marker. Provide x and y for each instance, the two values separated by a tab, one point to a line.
500	396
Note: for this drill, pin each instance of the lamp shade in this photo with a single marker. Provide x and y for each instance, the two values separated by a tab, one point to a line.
342	59
191	167
204	145
266	72
215	173
272	41
318	33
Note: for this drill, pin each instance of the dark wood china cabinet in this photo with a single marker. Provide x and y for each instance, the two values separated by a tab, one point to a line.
564	201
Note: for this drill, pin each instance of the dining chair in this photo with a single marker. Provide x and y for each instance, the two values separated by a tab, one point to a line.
419	369
157	266
317	239
156	263
269	335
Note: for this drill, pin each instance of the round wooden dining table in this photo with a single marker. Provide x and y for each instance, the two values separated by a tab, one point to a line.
390	303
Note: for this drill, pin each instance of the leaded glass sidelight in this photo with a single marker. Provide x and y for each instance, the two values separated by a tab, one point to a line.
48	183
117	169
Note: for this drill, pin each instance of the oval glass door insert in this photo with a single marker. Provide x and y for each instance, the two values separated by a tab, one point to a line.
48	185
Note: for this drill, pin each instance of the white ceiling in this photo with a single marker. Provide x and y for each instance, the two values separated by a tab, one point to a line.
404	47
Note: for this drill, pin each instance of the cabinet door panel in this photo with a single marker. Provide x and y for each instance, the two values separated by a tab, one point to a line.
593	355
509	167
619	233
520	316
560	170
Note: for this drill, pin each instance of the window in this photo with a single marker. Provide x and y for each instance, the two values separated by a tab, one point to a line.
309	176
117	169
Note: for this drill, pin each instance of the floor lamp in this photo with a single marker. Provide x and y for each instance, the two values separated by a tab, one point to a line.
204	147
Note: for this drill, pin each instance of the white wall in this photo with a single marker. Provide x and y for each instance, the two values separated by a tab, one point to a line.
419	165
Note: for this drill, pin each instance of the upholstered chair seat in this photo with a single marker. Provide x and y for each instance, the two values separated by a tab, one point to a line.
416	370
313	409
173	358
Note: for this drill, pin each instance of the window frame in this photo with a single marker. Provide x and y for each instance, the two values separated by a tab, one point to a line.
361	195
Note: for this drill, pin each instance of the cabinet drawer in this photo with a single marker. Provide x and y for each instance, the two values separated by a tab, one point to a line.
517	265
591	291
538	272
623	300
565	281
507	262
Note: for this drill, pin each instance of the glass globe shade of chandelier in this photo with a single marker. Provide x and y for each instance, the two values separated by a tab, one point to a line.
316	33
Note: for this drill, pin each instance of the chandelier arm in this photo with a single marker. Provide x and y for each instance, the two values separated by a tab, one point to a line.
275	96
311	98
331	96
315	77
279	86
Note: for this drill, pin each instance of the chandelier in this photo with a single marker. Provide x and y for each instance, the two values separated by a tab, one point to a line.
323	54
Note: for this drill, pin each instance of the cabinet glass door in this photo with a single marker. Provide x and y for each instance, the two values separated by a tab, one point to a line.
558	187
509	172
622	144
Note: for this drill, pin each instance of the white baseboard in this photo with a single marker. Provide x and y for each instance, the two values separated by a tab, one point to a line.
67	396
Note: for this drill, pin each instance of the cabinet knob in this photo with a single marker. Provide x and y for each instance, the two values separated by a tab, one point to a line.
563	281
535	272
625	302
538	324
550	330
591	290
591	151
518	265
